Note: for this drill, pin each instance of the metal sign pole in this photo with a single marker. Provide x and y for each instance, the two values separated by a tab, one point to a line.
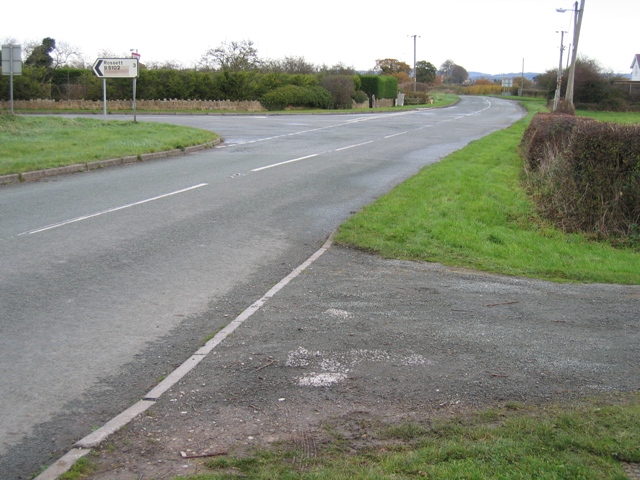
134	99
104	98
11	80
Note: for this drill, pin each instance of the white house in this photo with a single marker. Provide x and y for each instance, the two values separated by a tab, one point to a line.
635	67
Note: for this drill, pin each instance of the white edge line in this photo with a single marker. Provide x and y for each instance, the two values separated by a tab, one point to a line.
284	163
82	447
111	210
396	135
353	146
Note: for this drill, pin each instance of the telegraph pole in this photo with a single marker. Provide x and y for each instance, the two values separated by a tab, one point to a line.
578	13
556	98
415	76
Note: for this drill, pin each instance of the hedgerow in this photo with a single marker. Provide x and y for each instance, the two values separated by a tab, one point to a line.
585	175
296	96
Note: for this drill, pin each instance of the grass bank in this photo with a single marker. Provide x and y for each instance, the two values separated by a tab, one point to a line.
470	210
29	143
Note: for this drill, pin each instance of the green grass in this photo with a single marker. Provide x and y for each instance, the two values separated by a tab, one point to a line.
587	441
470	210
617	117
30	143
81	469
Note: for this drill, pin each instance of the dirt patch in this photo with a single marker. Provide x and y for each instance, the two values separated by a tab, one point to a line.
358	342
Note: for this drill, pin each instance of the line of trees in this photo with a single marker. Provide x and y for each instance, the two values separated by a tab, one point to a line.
231	71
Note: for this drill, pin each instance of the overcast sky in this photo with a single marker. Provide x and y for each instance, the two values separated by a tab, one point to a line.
489	36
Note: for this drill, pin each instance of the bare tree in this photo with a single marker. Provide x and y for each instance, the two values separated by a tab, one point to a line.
10	41
452	73
65	55
164	65
106	53
337	69
289	65
28	46
232	56
446	69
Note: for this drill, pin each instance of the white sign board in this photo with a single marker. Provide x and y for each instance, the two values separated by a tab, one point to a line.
116	67
11	60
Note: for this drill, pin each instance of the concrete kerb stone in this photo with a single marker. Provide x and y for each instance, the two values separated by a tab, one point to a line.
83	167
94	439
6	179
64	464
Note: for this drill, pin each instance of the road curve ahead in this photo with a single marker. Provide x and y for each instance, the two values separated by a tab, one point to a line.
109	279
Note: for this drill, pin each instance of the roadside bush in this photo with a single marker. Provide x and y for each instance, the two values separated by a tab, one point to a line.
295	96
585	175
342	90
416	98
548	134
360	97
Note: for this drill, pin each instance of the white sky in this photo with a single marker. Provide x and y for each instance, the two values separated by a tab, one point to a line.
489	36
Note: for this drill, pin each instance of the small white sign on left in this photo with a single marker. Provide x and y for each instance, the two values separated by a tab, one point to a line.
11	59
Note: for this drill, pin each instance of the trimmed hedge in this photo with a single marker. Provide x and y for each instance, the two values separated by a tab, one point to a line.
382	86
585	174
295	96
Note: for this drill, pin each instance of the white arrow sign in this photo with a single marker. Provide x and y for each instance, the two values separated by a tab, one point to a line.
116	67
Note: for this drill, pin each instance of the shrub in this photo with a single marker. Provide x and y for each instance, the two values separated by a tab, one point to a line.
360	97
382	86
546	136
416	98
342	90
585	174
295	96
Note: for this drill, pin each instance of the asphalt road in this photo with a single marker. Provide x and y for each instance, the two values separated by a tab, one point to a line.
111	278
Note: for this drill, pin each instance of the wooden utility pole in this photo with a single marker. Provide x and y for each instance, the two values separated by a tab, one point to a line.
578	13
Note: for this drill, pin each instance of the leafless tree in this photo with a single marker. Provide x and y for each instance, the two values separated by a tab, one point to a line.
232	56
289	65
65	55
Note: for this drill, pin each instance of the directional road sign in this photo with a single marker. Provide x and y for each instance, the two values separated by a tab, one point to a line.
116	67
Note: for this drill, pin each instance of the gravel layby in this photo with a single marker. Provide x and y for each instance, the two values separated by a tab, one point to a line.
357	341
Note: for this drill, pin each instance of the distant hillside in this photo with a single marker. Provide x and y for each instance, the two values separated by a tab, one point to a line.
488	76
528	75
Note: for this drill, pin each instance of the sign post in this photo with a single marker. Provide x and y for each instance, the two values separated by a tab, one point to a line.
116	68
11	65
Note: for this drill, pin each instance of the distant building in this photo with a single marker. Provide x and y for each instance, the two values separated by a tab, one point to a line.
635	67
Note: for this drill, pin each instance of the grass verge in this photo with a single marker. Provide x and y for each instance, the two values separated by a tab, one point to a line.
29	143
588	441
470	210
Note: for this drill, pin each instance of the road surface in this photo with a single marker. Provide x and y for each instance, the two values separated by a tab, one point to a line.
111	278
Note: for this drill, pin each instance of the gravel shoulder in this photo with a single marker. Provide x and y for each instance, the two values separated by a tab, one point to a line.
358	340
